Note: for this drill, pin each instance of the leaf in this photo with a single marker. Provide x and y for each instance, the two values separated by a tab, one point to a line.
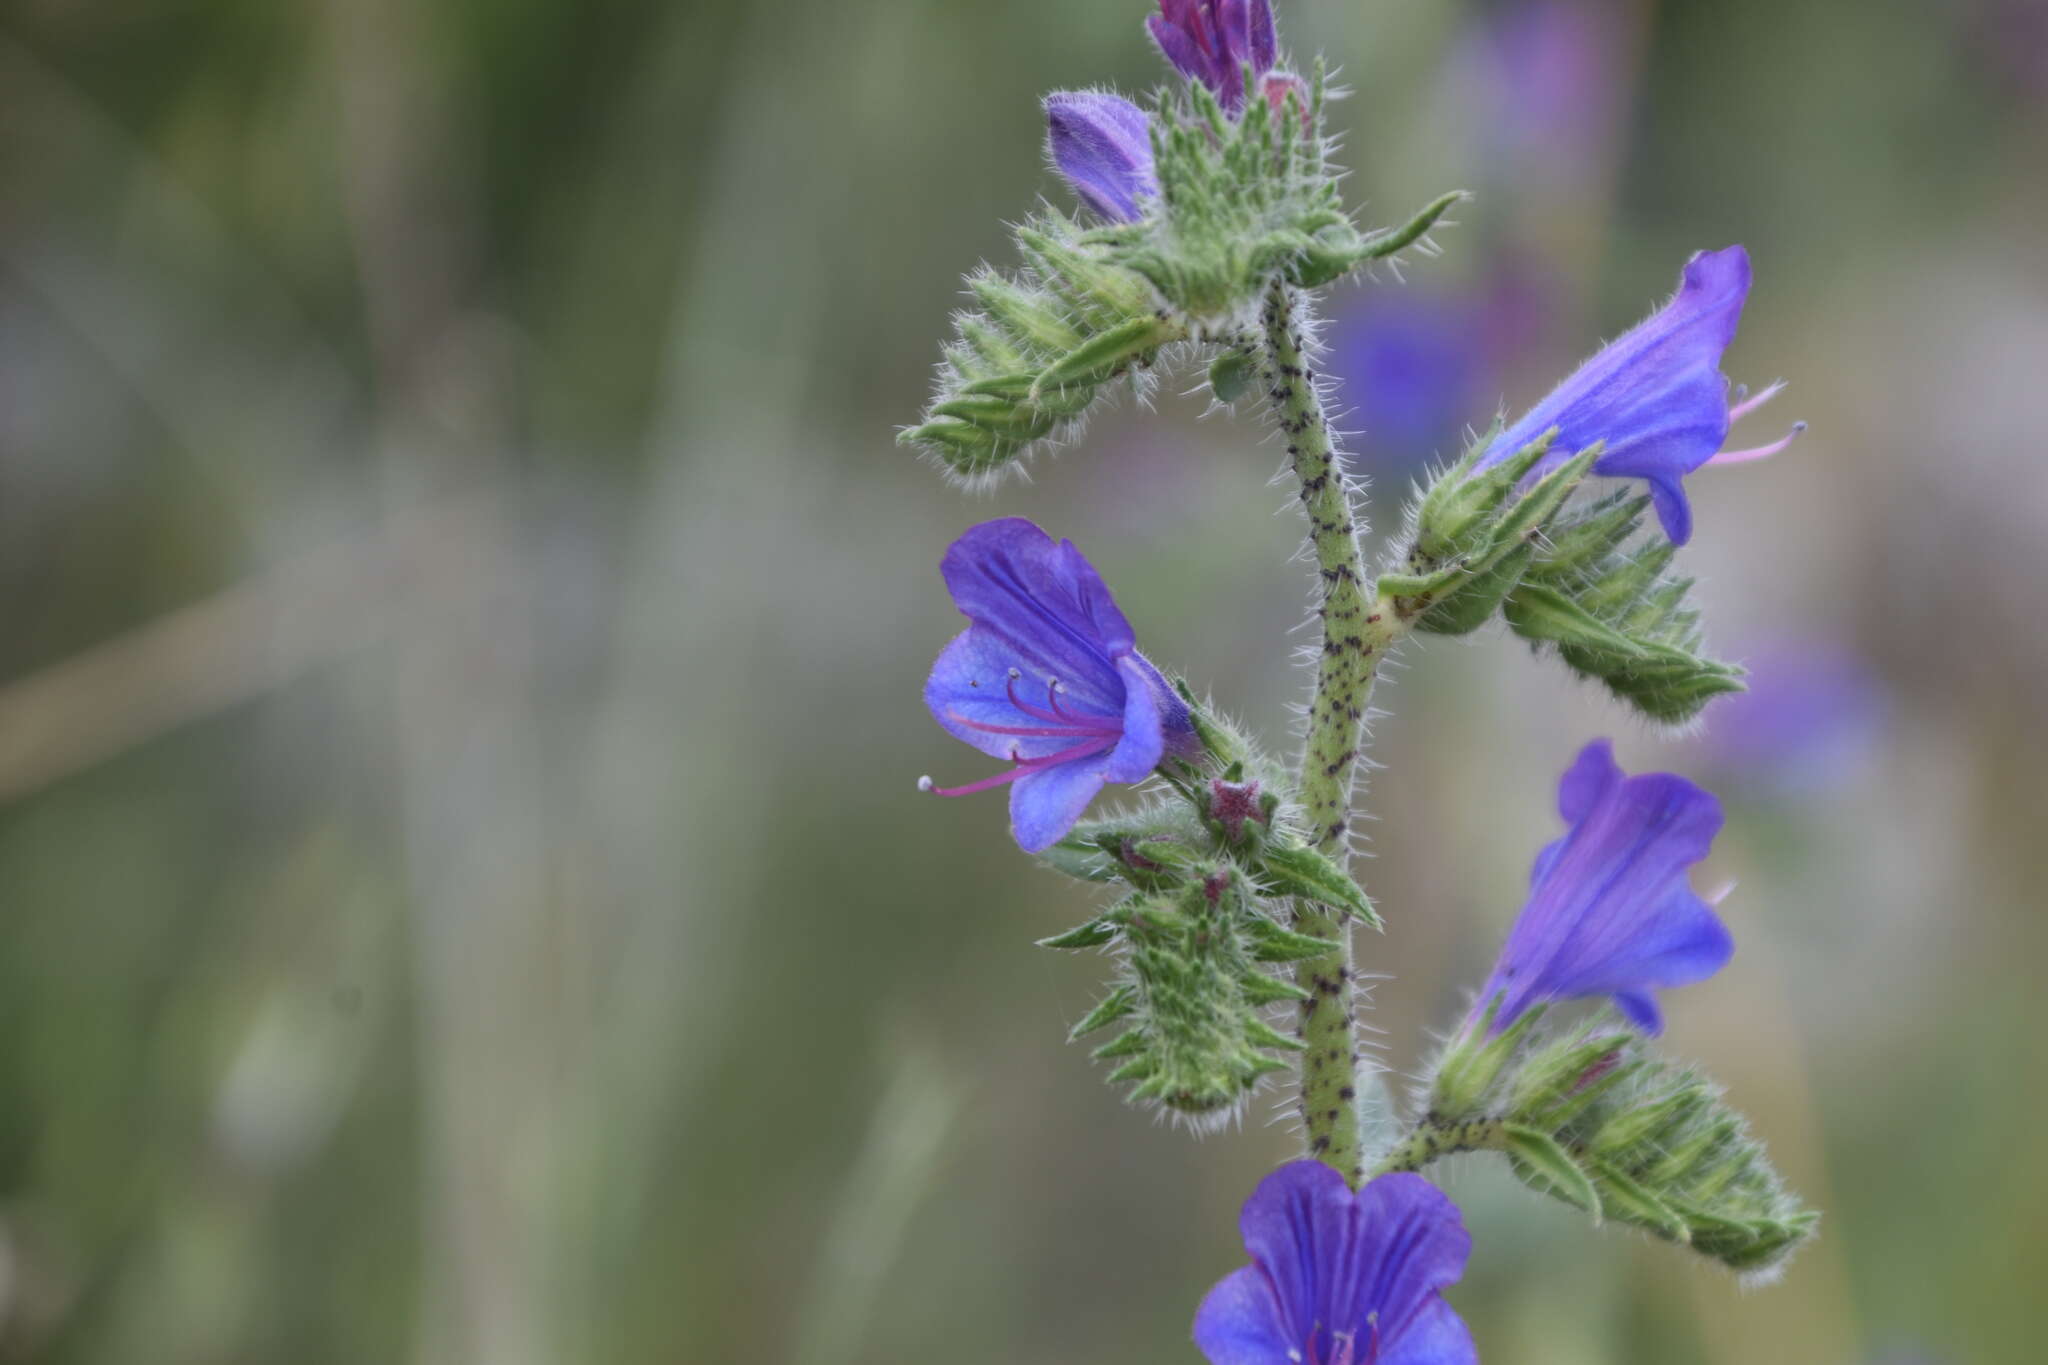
1295	869
1541	1162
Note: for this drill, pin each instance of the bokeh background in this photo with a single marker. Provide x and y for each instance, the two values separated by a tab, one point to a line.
465	893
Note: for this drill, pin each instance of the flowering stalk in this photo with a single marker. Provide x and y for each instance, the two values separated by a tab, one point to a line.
1357	630
1432	1140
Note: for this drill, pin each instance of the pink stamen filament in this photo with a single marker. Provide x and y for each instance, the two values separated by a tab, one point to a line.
1759	452
1034	731
1025	767
1057	715
1744	407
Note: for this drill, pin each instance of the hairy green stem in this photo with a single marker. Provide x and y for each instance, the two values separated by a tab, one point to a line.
1357	629
1440	1138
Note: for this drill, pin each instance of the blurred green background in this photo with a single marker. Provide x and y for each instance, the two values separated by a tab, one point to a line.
466	895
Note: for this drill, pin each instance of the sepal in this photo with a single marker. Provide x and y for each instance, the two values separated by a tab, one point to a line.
1193	991
1613	613
1475	532
1037	351
1242	202
1592	1116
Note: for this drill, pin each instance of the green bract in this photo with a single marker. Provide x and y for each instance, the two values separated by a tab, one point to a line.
1593	1117
1242	202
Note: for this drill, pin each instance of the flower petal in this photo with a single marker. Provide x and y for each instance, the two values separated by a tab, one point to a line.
968	693
1239	1322
1435	1336
1592	776
1045	804
1609	909
1417	1247
1144	740
1102	144
1654	395
1264	40
1297	1227
1178	45
1042	609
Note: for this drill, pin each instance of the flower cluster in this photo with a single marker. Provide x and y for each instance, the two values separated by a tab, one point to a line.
1218	217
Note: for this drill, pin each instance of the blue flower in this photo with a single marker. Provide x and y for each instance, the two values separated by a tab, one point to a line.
1339	1278
1102	144
1409	362
1049	677
1656	394
1811	717
1609	910
1212	41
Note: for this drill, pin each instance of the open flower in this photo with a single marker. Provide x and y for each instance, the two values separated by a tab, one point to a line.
1609	910
1102	144
1211	41
1656	395
1339	1278
1049	677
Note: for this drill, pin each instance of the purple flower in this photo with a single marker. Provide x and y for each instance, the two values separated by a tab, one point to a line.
1049	677
1413	365
1656	394
1609	910
1211	41
1102	144
1339	1278
1549	79
1812	717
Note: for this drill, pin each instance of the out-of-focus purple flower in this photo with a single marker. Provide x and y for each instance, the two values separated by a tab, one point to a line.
1549	78
1212	41
1049	677
1609	910
1656	394
1339	1278
1812	715
1412	365
1102	144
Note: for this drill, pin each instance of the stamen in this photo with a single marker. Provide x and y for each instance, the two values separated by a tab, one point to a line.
1759	452
1033	732
1744	404
1058	716
1025	767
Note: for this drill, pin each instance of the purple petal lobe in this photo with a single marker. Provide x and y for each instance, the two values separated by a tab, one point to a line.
1144	741
1423	1247
1239	1322
1333	1270
1048	608
1609	910
1264	39
1655	395
1436	1336
1045	804
1102	144
1211	41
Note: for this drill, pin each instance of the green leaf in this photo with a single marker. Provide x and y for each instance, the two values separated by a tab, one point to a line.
1544	614
1271	943
1120	1003
1624	1199
1093	934
1545	1165
1291	868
